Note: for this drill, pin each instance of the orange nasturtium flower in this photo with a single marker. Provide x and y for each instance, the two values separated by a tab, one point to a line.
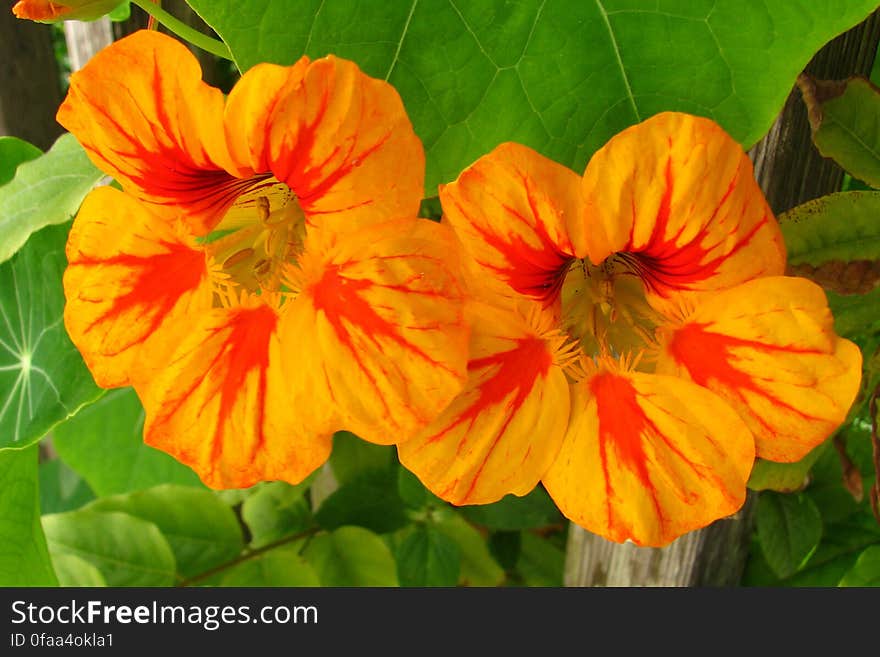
45	11
644	343
262	280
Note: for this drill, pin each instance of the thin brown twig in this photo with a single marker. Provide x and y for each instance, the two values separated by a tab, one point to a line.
189	581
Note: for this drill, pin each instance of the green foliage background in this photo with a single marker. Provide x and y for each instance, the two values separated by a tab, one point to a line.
560	76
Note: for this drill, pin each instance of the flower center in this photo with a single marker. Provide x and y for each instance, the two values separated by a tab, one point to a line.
259	236
604	307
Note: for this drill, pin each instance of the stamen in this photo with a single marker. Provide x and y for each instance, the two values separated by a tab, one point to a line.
263	209
237	257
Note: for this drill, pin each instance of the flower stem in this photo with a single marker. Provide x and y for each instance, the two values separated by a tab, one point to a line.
183	30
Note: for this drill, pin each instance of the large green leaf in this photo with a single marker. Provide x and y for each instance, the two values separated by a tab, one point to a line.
428	557
24	559
126	550
45	191
282	566
201	530
789	529
104	443
14	152
351	556
557	75
845	119
43	379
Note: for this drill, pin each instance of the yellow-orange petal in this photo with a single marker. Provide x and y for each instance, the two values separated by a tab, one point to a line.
514	211
250	111
222	406
677	195
503	431
768	347
144	116
344	144
129	277
45	11
648	458
377	332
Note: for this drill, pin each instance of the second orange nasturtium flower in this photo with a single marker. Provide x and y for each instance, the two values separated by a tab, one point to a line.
638	343
46	11
262	281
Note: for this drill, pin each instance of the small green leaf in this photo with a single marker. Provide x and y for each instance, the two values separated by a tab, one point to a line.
43	379
13	152
478	568
784	477
104	443
45	191
512	513
351	556
24	558
370	500
120	13
506	548
201	531
842	226
789	529
428	557
282	566
866	571
352	456
76	571
62	489
541	563
274	511
845	120
126	550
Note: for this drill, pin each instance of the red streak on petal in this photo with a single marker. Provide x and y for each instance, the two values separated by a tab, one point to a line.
665	266
513	375
158	282
340	299
246	349
537	272
708	357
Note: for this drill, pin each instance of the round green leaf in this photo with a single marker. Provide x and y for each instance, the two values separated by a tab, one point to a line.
351	556
43	379
201	531
62	489
126	550
559	76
